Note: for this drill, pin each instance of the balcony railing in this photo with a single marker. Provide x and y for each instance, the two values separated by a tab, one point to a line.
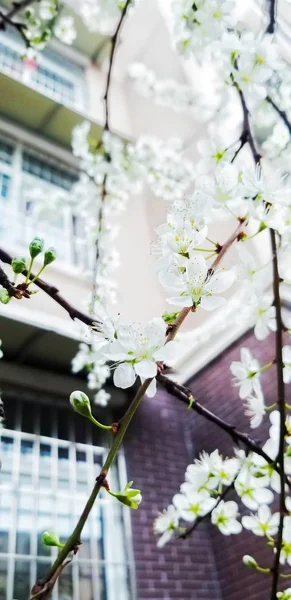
51	75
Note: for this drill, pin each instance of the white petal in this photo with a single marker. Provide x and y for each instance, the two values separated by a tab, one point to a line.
220	281
181	301
167	352
124	376
152	389
145	368
212	302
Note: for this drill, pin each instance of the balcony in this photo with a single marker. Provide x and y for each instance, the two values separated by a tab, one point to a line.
48	97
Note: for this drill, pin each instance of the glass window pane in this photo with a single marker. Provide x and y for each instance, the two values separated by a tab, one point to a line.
3	578
66	584
86	584
21	579
3	541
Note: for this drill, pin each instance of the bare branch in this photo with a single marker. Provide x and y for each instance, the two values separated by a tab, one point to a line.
53	292
272	17
282	113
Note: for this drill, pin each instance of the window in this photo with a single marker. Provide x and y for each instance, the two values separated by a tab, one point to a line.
4	185
41	168
53	75
27	179
46	480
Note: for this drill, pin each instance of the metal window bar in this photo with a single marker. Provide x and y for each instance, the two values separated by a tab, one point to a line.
43	493
49	75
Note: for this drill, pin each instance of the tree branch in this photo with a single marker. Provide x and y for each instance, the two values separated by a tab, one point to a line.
185	395
8	17
282	113
53	292
114	41
272	17
281	404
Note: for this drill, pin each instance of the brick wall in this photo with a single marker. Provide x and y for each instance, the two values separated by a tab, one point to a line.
213	387
158	448
164	439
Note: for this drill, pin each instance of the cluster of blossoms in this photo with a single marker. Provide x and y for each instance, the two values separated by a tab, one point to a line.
133	350
42	22
168	92
255	482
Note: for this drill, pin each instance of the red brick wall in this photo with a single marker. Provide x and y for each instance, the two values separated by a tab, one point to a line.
158	449
165	437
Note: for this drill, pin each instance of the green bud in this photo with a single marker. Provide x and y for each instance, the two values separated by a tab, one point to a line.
129	496
49	256
170	317
249	561
81	404
18	265
50	538
4	296
36	247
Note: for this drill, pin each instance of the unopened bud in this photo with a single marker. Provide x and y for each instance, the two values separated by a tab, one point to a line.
50	538
49	256
249	561
36	247
18	265
81	404
129	496
170	317
4	296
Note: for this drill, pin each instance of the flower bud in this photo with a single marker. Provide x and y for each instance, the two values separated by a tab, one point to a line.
50	538
81	404
129	496
36	247
49	256
249	561
18	265
4	296
170	317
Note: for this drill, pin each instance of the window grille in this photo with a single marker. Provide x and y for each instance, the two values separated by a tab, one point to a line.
4	185
48	172
6	152
52	75
49	465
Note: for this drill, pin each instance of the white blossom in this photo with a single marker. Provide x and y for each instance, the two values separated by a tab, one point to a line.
286	355
165	525
246	373
224	515
193	504
264	523
197	286
255	407
64	30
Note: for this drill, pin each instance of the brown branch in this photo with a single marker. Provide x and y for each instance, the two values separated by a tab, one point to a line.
54	293
7	19
281	405
246	135
282	113
185	395
114	40
272	17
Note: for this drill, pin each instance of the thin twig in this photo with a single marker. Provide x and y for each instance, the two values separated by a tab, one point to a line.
8	17
114	40
272	17
54	293
281	405
282	113
185	395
